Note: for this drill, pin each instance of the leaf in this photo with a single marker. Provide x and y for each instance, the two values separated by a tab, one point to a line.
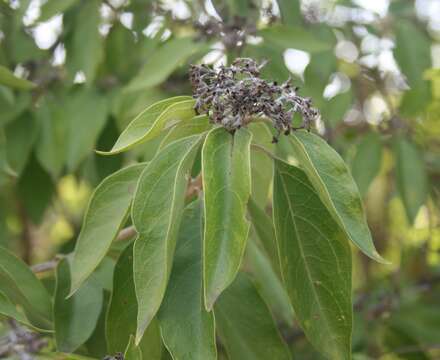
84	47
245	325
197	125
7	308
286	37
132	352
76	317
86	117
411	177
332	180
106	213
51	146
268	283
122	312
227	187
290	11
263	226
53	7
367	161
413	54
150	122
187	329
8	78
156	212
163	62
261	164
21	286
21	135
315	262
5	168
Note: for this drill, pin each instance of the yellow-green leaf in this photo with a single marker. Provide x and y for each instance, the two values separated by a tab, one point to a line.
105	215
8	78
335	186
315	261
156	213
227	186
150	122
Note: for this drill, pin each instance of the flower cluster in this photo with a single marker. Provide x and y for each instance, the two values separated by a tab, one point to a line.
235	95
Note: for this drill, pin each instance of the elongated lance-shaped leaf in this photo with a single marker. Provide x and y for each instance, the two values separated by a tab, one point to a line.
226	172
150	122
121	316
315	262
22	287
8	78
335	186
197	125
245	325
411	178
75	318
187	329
105	215
132	352
156	212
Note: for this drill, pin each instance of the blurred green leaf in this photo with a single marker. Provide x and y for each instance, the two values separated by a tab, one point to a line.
22	287
411	177
8	78
150	122
53	7
156	212
367	161
413	54
245	325
76	317
85	45
332	180
290	11
106	213
7	308
286	37
226	178
163	62
315	262
187	329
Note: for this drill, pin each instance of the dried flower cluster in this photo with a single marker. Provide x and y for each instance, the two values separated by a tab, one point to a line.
233	96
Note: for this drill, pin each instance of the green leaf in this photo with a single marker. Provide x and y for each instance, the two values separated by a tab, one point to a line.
150	122
22	287
263	226
156	213
268	283
105	215
411	178
53	7
261	164
315	262
226	177
20	137
197	125
122	312
286	37
86	112
51	146
332	180
5	168
163	62
413	54
7	308
290	11
76	317
8	78
367	161
245	325
187	329
85	46
132	352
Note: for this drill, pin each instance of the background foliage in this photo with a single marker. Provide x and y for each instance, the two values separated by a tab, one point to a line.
74	73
